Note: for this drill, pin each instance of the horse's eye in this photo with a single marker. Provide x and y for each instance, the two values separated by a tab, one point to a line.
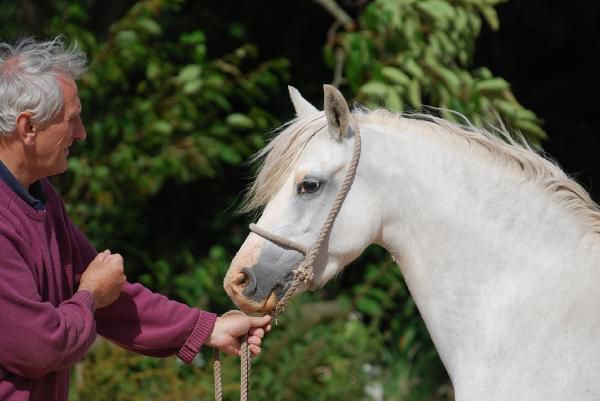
308	186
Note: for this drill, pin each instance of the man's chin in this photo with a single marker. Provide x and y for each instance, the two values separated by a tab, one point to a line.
56	171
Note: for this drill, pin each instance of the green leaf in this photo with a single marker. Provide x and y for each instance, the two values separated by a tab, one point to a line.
193	38
126	38
493	85
395	75
150	26
450	78
393	101
374	88
368	306
189	72
162	127
483	72
440	11
191	87
530	128
153	70
240	121
461	20
490	15
414	94
505	107
229	155
414	69
524	114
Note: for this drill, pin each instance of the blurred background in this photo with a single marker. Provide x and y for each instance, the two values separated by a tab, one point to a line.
180	93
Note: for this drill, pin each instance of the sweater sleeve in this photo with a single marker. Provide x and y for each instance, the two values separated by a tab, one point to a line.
36	337
149	323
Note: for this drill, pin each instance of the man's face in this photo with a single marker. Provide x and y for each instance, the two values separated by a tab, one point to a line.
54	139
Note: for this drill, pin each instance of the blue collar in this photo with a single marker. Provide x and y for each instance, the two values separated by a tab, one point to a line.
34	197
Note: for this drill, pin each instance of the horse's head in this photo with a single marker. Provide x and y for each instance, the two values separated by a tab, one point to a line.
302	173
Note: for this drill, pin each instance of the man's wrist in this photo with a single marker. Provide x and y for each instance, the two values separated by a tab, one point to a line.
201	332
86	298
91	292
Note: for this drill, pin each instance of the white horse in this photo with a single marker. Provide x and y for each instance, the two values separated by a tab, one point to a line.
499	248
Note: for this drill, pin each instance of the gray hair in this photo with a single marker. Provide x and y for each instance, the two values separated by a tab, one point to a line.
28	79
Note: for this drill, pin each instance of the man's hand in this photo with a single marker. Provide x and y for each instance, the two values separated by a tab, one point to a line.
104	278
228	330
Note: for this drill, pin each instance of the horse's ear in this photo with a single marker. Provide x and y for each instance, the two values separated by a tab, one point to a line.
302	106
337	112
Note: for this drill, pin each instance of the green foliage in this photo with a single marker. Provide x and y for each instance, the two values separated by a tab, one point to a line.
406	53
112	373
412	367
318	351
161	114
176	98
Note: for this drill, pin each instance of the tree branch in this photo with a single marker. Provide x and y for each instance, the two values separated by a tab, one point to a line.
338	13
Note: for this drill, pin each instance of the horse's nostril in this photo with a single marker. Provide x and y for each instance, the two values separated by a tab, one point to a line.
241	279
246	281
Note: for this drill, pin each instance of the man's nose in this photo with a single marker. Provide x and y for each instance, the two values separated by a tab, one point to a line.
80	132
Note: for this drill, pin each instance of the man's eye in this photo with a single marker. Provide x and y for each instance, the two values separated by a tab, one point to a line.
308	186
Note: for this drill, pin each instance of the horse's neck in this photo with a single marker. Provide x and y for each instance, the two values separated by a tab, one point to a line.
496	268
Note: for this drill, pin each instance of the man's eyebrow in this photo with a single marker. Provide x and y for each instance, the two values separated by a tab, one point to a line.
74	114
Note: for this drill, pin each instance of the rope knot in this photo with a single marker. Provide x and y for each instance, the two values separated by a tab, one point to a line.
305	276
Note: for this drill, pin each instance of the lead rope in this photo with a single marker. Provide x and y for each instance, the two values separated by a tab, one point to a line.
303	274
244	368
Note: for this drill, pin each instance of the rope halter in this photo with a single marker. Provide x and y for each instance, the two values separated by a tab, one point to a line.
304	274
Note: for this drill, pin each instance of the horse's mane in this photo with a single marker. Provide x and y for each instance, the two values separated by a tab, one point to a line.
280	155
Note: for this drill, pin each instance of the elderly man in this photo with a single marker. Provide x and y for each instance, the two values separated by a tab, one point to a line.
56	291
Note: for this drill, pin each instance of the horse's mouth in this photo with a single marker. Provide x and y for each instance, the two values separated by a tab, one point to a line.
249	306
269	304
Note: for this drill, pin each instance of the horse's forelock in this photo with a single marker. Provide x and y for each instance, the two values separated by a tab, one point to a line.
278	158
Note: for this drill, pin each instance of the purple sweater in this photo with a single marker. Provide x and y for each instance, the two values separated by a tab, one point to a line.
46	326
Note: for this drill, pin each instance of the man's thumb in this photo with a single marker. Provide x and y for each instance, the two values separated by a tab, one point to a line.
102	255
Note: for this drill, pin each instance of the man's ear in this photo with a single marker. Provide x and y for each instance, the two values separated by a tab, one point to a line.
25	128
